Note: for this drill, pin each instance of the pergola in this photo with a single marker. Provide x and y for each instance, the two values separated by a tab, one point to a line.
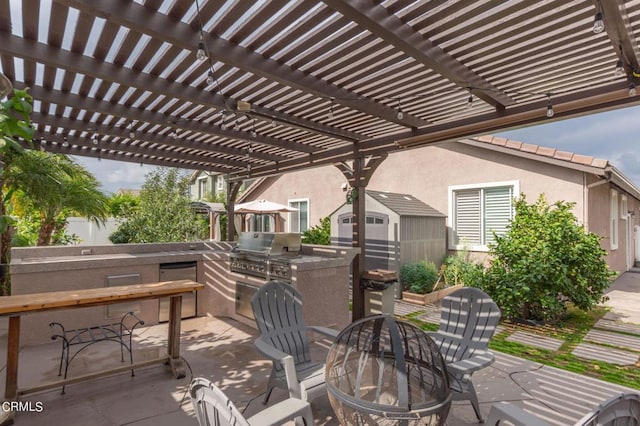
259	88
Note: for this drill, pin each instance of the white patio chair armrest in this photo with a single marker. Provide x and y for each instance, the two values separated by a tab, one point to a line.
293	385
288	364
502	411
325	331
279	413
467	366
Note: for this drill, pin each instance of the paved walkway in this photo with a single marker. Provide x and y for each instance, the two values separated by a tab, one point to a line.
615	339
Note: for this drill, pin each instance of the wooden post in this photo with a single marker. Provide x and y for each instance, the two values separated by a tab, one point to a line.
232	192
358	177
175	315
13	352
358	240
212	225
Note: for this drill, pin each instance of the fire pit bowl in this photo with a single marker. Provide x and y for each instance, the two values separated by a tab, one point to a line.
381	371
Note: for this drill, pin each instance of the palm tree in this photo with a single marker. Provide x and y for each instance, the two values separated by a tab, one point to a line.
15	126
53	185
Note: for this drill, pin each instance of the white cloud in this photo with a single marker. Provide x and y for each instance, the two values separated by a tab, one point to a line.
115	175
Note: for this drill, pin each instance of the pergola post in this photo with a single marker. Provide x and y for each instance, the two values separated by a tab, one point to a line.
358	176
358	239
232	191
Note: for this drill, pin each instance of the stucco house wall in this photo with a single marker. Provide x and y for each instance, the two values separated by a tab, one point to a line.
322	186
430	172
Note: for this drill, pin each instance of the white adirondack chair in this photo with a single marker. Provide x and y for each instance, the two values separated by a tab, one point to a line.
622	409
213	408
468	321
277	307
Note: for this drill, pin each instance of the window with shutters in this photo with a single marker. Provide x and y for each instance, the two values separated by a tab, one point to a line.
476	212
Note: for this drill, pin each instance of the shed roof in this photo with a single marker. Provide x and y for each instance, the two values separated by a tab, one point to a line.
404	204
284	85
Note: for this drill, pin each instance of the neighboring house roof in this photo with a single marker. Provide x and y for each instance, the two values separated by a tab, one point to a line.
256	186
197	173
584	163
404	204
205	207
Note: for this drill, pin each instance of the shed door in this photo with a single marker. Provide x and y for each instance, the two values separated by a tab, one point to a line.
376	243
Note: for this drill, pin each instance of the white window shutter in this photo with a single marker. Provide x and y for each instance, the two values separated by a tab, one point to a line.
498	211
467	218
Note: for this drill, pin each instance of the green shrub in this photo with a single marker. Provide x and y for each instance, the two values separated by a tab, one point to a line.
458	269
319	234
545	260
419	277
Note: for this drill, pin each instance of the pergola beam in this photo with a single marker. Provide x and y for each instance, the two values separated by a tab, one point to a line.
165	28
612	96
618	27
93	105
143	143
379	21
37	52
102	154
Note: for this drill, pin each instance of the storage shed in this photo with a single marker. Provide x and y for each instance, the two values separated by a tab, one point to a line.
399	229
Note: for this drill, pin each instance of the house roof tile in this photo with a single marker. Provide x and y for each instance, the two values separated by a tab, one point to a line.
545	151
527	147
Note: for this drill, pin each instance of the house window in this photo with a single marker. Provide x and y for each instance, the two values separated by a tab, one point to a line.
614	219
220	184
202	188
299	221
477	211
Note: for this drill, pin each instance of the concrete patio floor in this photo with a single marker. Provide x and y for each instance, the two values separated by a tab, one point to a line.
222	350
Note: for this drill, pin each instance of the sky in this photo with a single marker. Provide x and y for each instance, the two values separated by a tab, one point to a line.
612	135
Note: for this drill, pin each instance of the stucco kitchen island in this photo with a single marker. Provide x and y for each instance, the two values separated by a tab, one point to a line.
321	274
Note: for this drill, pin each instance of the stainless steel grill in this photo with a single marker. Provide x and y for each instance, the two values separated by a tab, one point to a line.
265	254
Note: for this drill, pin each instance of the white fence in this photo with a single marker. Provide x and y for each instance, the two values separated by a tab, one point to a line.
90	233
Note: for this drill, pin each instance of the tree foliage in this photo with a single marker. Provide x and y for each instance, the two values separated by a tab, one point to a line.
459	269
15	126
318	234
164	213
545	260
123	204
48	188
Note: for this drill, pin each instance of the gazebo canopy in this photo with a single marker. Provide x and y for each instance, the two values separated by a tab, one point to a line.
263	206
283	85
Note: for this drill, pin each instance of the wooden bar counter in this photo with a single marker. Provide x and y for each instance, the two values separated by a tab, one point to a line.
16	306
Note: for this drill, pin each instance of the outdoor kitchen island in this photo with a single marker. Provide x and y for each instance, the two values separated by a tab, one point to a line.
321	274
